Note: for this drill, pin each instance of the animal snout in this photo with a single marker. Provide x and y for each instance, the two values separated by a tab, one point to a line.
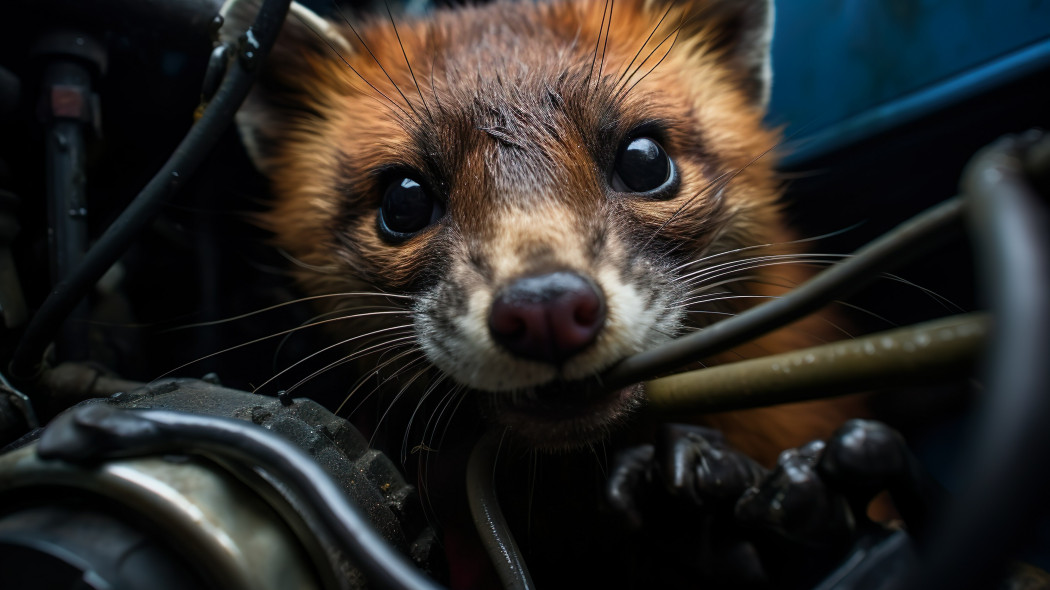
548	317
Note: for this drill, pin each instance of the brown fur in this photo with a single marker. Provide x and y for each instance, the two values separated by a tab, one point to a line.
513	114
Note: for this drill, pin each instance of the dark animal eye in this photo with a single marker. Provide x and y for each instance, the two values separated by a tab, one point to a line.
641	166
407	209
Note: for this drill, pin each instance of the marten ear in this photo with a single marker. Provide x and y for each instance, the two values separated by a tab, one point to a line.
291	78
740	30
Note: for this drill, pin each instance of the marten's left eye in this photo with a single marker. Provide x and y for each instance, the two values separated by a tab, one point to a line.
642	166
407	209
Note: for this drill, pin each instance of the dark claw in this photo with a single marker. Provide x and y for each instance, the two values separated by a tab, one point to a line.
788	527
676	498
694	468
629	481
865	457
794	502
698	465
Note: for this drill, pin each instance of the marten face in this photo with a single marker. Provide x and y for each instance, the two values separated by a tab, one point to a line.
541	180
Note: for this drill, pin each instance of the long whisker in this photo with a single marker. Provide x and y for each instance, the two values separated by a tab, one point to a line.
608	32
432	42
674	41
726	268
707	287
845	333
866	311
598	42
710	298
412	418
620	92
715	185
790	285
944	301
332	313
499	449
352	68
647	39
373	373
785	285
726	182
456	394
461	392
398	395
723	268
768	245
602	460
711	312
374	58
722	185
326	270
278	334
377	348
330	347
407	63
278	306
382	347
698	284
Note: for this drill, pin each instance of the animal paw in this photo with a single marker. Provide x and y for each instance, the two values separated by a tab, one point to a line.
712	506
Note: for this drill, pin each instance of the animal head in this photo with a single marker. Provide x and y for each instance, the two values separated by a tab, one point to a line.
541	179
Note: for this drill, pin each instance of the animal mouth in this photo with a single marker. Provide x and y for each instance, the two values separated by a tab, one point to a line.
562	415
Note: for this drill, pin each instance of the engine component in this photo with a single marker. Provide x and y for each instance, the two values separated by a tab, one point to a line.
131	523
227	520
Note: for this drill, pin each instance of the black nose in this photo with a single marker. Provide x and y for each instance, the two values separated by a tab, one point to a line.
548	317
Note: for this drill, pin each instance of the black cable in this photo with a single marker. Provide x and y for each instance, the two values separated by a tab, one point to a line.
909	241
194	148
1007	480
99	431
488	518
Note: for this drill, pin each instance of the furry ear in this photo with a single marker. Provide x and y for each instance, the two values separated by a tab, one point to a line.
741	30
286	90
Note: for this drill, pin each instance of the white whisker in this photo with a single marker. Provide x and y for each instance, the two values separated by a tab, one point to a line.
330	347
398	395
385	346
278	334
375	373
285	304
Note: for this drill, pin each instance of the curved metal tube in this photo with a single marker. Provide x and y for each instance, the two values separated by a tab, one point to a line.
1007	481
488	518
98	431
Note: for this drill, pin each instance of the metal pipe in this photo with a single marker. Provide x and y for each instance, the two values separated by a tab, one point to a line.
95	432
194	148
488	518
68	110
924	353
1007	482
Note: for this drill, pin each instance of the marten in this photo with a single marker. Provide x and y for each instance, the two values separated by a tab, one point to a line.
538	189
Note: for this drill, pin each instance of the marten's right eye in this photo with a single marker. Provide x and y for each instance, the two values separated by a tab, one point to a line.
407	209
